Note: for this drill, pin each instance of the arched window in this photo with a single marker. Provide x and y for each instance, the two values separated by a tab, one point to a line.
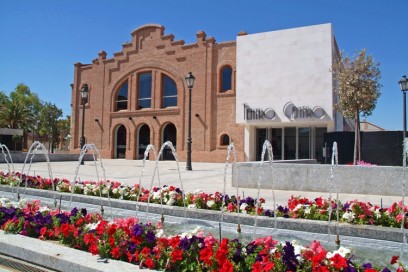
169	92
226	78
144	97
122	97
225	139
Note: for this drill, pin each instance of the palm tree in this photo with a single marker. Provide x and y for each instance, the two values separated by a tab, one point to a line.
15	115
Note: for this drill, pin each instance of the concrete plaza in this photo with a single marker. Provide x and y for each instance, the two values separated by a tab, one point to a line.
208	177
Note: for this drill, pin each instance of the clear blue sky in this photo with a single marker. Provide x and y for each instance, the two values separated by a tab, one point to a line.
41	40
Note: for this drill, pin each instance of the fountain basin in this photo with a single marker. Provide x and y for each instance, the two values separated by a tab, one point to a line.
304	225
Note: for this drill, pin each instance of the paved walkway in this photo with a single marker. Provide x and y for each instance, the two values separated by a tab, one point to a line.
208	177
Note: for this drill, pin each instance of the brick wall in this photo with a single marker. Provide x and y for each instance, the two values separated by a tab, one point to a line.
150	50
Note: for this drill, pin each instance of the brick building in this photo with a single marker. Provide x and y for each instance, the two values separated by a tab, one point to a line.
140	96
275	86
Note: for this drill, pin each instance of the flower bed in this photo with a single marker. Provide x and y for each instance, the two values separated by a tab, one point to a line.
147	246
353	212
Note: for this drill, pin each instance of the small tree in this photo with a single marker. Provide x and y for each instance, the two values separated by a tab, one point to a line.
358	89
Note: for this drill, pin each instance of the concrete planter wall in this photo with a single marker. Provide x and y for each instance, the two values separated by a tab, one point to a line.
19	157
373	180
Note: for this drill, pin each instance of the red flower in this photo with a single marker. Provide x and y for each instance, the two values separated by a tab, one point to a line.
227	266
370	270
338	261
93	249
115	252
43	231
65	229
394	259
205	255
149	263
89	238
79	222
177	255
257	267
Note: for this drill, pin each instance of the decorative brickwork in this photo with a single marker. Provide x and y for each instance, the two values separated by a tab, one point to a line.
151	51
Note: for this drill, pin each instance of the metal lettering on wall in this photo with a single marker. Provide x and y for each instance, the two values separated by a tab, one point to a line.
258	114
302	112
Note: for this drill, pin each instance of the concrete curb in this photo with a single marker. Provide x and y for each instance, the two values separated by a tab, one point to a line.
57	257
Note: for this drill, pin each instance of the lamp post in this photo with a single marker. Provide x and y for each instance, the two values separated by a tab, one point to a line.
404	87
190	83
84	96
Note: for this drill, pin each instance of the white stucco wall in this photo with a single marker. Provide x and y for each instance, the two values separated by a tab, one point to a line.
279	67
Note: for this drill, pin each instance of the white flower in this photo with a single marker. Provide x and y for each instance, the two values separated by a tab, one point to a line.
160	233
192	206
342	251
170	202
91	226
210	203
348	216
298	249
44	209
242	207
115	191
299	206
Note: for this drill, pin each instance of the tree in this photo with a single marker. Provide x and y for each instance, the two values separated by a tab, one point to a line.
49	116
358	89
20	110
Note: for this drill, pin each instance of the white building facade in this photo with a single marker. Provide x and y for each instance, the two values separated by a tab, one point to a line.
285	91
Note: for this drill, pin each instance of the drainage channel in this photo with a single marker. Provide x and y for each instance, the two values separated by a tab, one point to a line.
9	264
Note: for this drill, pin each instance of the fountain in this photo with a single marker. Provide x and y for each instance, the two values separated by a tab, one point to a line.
173	151
267	147
6	153
95	151
334	163
36	148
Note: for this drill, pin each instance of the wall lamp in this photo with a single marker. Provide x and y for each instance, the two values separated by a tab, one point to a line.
96	120
154	117
197	115
130	118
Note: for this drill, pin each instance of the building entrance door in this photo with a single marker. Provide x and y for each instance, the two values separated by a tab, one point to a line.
120	150
169	134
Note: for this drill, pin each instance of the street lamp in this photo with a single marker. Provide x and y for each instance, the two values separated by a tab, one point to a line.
190	83
404	87
84	96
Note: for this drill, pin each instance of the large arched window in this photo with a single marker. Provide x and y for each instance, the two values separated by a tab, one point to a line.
122	97
144	97
226	78
169	92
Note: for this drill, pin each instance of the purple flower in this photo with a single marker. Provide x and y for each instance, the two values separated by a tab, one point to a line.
367	265
386	270
84	212
74	211
237	257
137	230
184	244
289	257
150	237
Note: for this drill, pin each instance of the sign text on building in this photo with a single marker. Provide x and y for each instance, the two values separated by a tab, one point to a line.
258	114
302	112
